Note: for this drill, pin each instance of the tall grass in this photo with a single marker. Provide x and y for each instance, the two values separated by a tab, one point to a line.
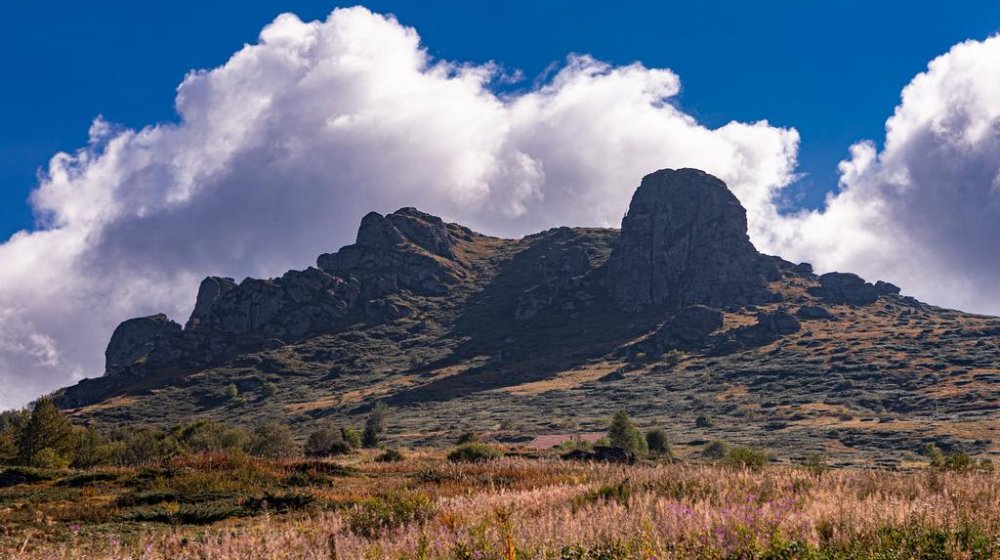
515	508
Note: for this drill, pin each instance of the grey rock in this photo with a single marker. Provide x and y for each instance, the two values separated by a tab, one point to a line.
845	287
779	322
813	312
210	290
693	325
684	241
143	341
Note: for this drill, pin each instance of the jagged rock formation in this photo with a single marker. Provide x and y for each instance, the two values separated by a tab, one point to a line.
144	341
675	316
684	241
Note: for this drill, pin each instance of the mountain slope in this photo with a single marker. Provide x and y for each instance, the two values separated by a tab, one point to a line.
675	316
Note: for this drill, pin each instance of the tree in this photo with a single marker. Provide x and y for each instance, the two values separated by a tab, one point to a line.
12	425
352	436
91	448
272	440
658	443
375	425
327	440
47	428
625	435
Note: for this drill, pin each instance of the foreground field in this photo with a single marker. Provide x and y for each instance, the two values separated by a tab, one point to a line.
425	507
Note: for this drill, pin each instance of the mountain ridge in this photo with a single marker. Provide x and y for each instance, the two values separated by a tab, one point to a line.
425	314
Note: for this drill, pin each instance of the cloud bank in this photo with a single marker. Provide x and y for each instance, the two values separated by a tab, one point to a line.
279	152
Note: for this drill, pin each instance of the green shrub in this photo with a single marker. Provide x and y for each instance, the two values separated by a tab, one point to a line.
658	444
703	421
388	511
326	441
389	456
715	450
474	453
375	425
273	441
352	437
49	458
742	457
625	435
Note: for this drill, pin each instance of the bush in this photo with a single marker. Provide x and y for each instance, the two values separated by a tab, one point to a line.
815	463
474	453
715	450
703	421
327	440
375	425
389	511
49	458
742	457
273	441
352	437
389	456
658	444
625	435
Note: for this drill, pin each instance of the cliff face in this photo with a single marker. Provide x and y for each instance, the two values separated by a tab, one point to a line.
684	242
675	315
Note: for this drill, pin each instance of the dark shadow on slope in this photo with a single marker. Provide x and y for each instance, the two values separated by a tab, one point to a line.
547	311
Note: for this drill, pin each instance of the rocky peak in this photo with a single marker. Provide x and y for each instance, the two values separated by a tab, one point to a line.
683	242
141	341
209	292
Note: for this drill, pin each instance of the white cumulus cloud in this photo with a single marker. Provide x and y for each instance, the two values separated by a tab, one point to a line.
278	153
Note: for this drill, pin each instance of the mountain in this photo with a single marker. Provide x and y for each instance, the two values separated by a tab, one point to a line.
673	317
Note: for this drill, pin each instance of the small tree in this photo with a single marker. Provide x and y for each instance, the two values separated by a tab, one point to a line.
47	428
375	425
92	449
272	440
11	426
624	434
658	443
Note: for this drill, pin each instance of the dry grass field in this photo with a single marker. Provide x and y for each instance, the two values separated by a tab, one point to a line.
223	507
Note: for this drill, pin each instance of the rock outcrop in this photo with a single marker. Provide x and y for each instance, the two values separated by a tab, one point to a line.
691	327
144	341
845	287
684	241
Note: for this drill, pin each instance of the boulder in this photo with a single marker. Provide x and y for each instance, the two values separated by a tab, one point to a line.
144	341
845	287
779	322
813	312
684	241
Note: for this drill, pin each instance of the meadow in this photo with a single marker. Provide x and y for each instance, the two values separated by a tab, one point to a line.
372	505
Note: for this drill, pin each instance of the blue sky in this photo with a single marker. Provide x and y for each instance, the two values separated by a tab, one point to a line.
833	71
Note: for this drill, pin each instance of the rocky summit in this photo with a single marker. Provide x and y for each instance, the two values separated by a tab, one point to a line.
675	317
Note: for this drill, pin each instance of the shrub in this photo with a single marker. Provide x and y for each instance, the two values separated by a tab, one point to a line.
352	437
703	421
474	453
145	445
231	393
375	425
92	449
742	457
658	444
327	440
624	434
715	450
390	456
49	458
273	441
389	511
269	388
